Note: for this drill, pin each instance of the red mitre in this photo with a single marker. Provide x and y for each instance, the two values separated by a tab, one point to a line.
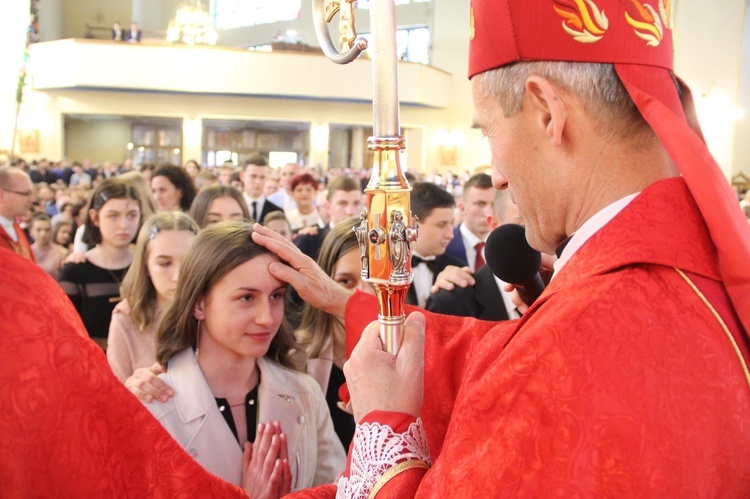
635	36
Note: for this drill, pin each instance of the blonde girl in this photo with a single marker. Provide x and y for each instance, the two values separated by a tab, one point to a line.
147	288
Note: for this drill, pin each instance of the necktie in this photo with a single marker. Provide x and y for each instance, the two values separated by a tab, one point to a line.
479	261
255	211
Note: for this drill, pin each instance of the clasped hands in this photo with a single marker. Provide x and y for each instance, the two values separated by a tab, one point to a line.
265	463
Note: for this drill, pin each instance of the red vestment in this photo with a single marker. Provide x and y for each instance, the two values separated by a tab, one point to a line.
626	378
69	427
22	247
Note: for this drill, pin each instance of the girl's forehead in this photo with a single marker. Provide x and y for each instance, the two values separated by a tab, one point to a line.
254	270
120	203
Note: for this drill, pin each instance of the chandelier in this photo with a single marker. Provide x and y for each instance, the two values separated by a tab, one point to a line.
191	25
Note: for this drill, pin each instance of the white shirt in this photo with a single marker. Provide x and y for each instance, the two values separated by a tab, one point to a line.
283	199
9	229
260	201
470	241
507	301
423	279
591	227
78	245
298	220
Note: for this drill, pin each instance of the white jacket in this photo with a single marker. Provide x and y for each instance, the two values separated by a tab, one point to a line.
192	417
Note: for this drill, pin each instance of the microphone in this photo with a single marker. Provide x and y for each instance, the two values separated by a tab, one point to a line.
512	260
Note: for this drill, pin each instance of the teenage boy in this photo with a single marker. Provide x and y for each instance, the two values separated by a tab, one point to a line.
344	201
434	206
469	237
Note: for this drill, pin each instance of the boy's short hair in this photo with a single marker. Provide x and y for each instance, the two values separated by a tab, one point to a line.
479	181
343	183
257	160
426	196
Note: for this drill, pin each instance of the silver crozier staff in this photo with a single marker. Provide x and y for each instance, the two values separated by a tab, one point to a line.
387	227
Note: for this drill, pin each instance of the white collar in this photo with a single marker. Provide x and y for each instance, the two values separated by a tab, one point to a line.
591	227
260	199
9	228
425	258
469	236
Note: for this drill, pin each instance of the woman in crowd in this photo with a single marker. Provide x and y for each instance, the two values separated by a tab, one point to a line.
231	363
218	203
112	222
62	234
172	188
48	255
147	288
304	189
192	168
322	335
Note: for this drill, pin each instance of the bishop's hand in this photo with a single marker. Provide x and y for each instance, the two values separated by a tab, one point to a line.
380	381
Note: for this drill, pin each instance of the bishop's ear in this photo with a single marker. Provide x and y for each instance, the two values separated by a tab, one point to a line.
548	107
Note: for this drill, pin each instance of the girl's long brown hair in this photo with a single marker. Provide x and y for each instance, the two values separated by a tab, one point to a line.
216	251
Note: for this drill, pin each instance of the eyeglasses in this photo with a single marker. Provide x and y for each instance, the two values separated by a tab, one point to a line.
20	193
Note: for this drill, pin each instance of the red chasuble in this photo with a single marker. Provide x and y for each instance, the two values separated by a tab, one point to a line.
69	427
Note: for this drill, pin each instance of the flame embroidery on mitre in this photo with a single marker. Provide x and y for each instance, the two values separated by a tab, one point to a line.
471	23
650	26
665	10
582	19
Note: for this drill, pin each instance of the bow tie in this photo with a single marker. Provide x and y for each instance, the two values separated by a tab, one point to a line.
431	264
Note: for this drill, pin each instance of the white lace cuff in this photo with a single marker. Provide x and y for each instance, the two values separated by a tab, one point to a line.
376	450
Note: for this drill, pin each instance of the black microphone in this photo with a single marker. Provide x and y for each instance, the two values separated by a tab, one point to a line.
512	260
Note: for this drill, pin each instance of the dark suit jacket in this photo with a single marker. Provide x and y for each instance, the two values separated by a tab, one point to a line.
456	247
481	301
126	35
441	262
268	207
310	244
